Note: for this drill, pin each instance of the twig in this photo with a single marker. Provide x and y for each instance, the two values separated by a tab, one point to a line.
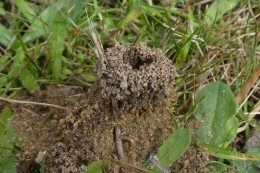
33	103
118	136
130	165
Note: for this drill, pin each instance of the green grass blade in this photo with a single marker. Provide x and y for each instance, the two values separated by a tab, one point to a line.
26	10
6	35
229	154
132	15
218	8
182	56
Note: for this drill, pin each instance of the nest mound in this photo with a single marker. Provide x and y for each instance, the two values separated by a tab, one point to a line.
141	81
136	76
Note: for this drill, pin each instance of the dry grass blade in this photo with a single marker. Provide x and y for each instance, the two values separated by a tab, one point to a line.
249	83
98	45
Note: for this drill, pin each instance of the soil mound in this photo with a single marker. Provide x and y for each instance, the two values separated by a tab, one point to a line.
123	117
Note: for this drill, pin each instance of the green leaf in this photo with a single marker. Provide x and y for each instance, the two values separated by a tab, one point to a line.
216	111
7	164
229	154
59	33
97	166
28	80
6	35
218	8
41	25
26	10
173	148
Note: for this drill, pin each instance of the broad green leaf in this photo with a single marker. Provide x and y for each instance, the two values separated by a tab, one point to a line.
173	148
7	164
132	15
6	35
216	112
28	80
40	26
97	166
26	10
218	8
57	39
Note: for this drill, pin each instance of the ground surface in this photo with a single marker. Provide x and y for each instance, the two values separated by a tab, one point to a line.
48	52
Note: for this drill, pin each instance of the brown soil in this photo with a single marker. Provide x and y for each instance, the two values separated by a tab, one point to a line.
75	138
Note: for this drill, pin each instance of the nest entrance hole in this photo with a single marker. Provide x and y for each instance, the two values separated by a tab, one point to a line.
138	61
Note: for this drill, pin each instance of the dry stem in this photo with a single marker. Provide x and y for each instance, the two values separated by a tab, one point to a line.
33	103
118	136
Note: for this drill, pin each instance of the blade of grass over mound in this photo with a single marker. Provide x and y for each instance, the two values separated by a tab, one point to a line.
218	8
57	44
216	112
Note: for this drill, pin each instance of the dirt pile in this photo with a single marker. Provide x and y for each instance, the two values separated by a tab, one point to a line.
124	116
